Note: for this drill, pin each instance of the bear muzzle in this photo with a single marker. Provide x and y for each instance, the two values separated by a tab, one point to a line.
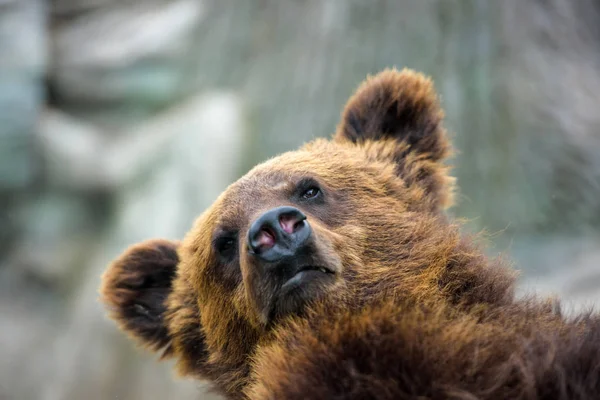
285	256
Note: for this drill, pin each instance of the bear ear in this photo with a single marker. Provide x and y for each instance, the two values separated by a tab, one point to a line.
135	288
396	115
400	105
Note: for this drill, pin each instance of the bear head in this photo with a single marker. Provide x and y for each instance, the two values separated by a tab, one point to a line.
333	225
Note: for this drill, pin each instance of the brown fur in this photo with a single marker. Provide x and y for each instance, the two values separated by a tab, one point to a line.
396	352
414	310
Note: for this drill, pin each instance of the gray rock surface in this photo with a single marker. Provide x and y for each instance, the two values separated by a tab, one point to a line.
22	66
135	55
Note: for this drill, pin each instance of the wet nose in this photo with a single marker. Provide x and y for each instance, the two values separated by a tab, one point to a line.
278	233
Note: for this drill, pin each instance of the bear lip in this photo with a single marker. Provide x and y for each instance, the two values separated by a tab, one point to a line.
301	271
323	269
300	275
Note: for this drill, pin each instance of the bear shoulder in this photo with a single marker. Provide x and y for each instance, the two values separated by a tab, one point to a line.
524	351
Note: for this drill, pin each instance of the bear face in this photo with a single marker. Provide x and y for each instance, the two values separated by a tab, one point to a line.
295	229
335	225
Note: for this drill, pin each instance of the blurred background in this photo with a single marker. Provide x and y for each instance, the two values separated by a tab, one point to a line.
121	120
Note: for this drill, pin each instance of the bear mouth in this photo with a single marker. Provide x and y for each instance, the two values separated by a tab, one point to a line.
306	274
305	284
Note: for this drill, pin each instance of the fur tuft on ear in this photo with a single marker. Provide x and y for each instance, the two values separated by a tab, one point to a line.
135	288
401	105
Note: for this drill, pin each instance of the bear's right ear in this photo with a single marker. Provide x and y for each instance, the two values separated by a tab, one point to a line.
135	288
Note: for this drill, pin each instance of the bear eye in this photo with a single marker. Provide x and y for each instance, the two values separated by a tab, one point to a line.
311	192
308	190
226	246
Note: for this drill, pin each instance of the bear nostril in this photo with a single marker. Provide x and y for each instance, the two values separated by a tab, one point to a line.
298	225
265	239
291	222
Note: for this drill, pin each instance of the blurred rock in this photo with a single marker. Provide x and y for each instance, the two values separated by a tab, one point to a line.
552	71
70	7
79	155
23	49
563	266
133	54
24	345
72	150
56	231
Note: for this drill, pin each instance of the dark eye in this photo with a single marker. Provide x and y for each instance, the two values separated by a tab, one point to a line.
226	246
311	192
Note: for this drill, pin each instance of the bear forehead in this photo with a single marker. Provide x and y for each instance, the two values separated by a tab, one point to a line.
335	166
320	158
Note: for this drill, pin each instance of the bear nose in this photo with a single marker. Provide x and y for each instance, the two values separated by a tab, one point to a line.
278	233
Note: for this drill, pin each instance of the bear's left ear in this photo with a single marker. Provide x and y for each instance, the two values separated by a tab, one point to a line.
396	114
135	288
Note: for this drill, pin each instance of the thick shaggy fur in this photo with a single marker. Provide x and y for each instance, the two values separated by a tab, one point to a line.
414	311
395	352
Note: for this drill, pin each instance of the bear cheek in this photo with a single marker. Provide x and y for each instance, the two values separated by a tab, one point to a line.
327	247
257	293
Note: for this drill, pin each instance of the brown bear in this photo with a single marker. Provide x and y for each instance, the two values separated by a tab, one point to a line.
333	272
